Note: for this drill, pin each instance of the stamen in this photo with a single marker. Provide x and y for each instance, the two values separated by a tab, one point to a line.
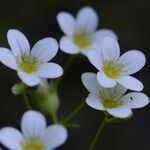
27	63
108	102
33	144
112	69
82	40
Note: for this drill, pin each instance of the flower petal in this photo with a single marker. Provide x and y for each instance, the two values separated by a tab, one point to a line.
95	58
33	124
7	58
133	60
45	49
120	112
109	49
18	42
90	82
55	135
66	22
94	102
87	19
67	46
104	81
130	83
115	92
135	100
29	79
100	34
50	70
11	138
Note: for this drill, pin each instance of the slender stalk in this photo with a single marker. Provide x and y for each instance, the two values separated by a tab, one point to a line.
66	68
26	100
73	113
54	117
69	63
98	133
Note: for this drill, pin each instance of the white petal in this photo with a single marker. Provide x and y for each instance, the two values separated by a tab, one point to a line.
50	70
100	34
104	81
7	58
90	82
133	60
109	49
66	22
87	19
67	46
45	49
120	112
11	138
18	42
28	79
55	135
94	102
130	83
116	92
33	124
95	58
135	100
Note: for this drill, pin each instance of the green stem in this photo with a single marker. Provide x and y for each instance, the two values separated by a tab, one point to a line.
98	133
69	63
73	113
66	68
54	117
26	100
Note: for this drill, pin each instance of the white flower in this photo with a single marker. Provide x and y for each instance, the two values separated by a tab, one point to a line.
113	99
114	68
32	65
35	135
80	33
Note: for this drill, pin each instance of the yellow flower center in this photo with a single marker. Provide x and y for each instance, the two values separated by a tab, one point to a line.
27	63
82	40
110	103
112	70
33	144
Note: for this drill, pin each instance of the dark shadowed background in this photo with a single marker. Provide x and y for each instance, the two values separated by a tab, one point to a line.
130	19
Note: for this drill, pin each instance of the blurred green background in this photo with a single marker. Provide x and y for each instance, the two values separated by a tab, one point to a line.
130	19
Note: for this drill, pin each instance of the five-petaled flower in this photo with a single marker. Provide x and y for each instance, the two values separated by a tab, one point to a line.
114	68
113	99
80	33
32	65
35	135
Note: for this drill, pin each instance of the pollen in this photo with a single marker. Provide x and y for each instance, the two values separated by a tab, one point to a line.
27	63
82	40
111	69
110	103
33	144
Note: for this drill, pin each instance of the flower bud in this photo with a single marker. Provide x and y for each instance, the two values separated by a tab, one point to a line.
48	100
18	88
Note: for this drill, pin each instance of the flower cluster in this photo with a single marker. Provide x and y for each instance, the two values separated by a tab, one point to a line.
107	87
